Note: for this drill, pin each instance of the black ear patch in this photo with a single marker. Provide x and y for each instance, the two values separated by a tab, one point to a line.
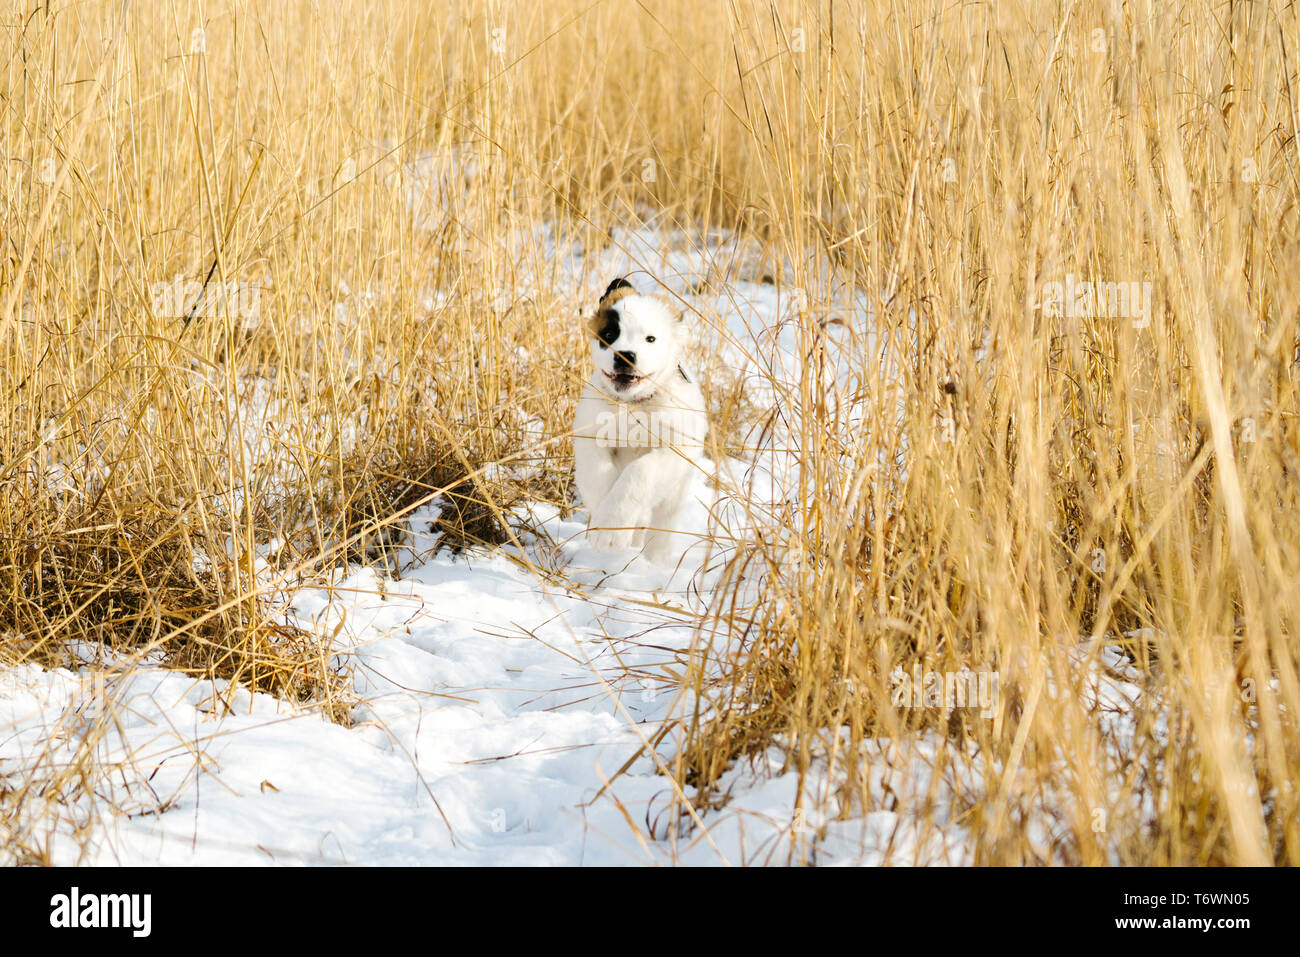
619	283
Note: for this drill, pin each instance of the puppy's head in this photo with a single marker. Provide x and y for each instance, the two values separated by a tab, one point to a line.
634	342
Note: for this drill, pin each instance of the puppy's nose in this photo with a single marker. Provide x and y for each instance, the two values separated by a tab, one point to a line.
624	359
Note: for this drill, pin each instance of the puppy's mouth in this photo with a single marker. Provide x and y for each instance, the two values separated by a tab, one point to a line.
623	379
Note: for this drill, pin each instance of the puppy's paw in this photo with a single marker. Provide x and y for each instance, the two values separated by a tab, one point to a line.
612	539
659	549
616	525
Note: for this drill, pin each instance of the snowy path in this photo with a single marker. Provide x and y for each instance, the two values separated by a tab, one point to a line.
493	710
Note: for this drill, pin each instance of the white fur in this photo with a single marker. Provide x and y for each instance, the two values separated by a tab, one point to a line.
637	445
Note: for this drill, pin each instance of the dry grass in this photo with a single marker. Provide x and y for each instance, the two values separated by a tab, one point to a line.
1056	484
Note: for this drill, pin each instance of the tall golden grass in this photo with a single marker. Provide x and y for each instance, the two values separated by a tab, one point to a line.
1056	486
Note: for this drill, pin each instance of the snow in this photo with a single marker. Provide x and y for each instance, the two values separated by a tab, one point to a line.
493	708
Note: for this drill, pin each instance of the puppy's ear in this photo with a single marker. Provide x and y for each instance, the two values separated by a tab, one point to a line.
616	290
617	284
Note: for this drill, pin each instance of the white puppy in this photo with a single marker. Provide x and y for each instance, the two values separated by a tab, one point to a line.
640	426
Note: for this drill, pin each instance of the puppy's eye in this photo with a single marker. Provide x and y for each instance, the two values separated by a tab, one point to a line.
604	345
649	338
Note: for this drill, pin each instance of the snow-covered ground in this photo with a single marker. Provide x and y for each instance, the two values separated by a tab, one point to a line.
496	713
505	715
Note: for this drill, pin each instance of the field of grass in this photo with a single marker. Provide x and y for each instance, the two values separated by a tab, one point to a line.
1052	483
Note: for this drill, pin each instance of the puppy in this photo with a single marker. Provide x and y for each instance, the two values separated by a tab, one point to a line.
640	426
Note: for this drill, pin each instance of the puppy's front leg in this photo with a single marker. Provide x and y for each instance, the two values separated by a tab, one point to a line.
594	470
644	488
662	540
